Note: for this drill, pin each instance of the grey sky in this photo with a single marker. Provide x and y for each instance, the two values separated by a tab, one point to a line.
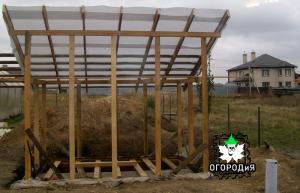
264	26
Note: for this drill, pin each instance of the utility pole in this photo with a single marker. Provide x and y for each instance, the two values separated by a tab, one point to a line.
250	88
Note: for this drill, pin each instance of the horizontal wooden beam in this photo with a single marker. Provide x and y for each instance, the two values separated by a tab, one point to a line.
115	33
104	164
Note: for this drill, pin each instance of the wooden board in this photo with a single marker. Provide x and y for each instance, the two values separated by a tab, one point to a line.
44	117
139	170
50	172
119	172
157	108
103	164
78	116
205	113
169	163
179	119
191	133
150	165
71	106
145	90
36	128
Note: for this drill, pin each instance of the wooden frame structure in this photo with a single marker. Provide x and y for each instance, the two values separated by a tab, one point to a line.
114	80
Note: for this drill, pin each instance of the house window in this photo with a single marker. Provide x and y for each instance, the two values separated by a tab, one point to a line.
265	73
265	84
288	72
288	84
280	84
280	72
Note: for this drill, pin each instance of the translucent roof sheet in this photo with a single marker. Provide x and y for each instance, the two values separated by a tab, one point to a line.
131	50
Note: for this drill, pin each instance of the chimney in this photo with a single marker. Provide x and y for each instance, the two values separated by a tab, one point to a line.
244	58
253	55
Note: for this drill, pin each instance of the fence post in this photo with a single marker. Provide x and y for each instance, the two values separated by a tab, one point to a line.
258	126
228	118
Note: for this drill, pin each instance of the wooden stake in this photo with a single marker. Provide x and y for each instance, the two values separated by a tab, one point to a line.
36	129
205	115
27	93
145	119
157	108
71	106
78	132
179	118
114	134
44	117
190	119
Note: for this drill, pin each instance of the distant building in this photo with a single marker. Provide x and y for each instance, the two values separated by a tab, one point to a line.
263	71
297	80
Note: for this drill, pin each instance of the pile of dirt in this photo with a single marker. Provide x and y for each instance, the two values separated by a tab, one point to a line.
96	127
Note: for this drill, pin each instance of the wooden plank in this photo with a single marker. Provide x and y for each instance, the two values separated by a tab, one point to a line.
169	163
81	172
119	26
44	117
157	108
78	132
103	164
82	11
116	33
114	130
179	118
27	96
71	106
190	158
148	46
45	18
205	113
50	172
97	170
36	128
43	153
191	133
145	119
150	165
139	169
180	42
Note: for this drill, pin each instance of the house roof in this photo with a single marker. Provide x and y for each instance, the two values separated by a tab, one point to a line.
180	56
264	61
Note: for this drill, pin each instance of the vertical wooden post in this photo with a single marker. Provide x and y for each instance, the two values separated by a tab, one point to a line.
27	93
114	134
44	118
157	108
205	115
78	132
179	119
228	118
71	106
145	90
191	135
36	128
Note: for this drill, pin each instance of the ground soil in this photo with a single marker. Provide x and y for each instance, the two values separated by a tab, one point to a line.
11	155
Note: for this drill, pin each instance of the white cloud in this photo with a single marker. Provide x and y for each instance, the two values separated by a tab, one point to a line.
255	3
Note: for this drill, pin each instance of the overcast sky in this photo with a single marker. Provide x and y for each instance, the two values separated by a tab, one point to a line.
263	26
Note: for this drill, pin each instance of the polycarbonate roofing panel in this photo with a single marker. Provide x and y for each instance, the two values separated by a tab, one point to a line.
131	50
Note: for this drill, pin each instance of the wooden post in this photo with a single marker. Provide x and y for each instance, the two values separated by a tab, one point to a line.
114	130
157	108
78	132
36	129
71	106
145	118
191	135
228	118
44	117
179	119
205	115
27	93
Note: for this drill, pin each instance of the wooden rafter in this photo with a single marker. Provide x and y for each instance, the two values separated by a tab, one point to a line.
82	11
153	28
180	42
119	26
212	40
46	22
11	30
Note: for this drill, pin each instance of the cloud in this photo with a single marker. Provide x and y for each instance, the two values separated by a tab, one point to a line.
255	3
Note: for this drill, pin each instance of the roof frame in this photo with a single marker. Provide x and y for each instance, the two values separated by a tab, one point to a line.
148	46
46	23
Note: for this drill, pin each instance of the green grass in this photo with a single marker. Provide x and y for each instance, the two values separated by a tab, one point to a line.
280	122
15	120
